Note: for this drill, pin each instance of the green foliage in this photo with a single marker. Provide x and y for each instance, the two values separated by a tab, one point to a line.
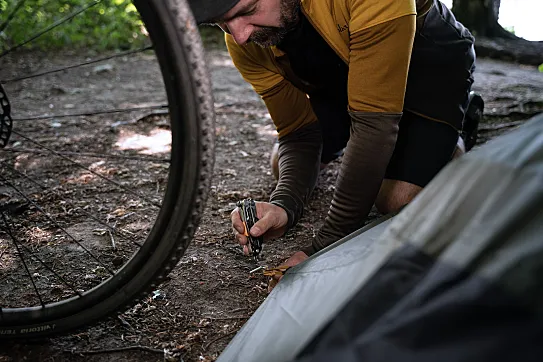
541	68
109	24
510	29
212	36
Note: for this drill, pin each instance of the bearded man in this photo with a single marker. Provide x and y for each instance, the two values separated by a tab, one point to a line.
384	83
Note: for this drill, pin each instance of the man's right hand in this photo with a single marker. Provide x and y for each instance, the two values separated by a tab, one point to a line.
272	224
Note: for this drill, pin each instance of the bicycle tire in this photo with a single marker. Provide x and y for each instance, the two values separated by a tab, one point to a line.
179	50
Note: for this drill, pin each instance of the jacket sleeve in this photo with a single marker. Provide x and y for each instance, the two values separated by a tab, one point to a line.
379	60
288	106
378	67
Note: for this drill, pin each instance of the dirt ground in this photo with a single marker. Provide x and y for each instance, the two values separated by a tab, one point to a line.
210	294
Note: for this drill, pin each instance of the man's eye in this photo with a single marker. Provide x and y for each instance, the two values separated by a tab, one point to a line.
250	12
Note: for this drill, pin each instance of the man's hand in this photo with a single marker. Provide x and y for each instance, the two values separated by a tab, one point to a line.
295	259
272	223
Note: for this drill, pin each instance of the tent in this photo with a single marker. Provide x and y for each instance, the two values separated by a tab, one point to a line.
457	275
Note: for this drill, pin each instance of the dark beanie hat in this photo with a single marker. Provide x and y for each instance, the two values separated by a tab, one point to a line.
206	10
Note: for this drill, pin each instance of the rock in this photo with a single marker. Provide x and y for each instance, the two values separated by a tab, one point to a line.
104	68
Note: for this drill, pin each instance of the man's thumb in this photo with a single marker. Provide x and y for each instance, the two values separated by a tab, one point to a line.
261	226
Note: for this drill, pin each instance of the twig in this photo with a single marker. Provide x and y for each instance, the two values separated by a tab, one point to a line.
124	217
495	127
124	322
206	346
112	240
127	232
120	349
228	318
257	269
238	310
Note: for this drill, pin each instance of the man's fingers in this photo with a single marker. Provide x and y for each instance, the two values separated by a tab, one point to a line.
237	227
295	259
237	224
241	239
262	225
273	282
246	249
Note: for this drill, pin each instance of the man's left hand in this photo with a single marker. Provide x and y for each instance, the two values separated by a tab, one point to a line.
295	259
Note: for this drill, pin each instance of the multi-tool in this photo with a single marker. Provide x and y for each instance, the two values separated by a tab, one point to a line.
247	211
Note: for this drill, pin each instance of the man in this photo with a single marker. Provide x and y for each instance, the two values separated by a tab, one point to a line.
386	83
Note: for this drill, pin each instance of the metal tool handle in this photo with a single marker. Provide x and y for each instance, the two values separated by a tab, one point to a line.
247	210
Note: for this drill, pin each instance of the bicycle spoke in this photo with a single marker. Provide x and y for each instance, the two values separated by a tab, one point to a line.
35	75
113	229
60	277
32	254
151	202
88	154
12	169
11	15
5	181
86	114
51	27
7	229
118	232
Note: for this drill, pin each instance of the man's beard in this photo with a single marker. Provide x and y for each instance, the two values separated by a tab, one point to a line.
269	36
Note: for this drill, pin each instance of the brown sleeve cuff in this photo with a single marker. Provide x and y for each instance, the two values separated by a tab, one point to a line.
299	161
310	250
294	208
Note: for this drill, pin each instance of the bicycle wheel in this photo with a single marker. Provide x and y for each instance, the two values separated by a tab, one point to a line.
89	222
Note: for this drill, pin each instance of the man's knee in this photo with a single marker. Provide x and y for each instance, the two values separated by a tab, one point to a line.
395	194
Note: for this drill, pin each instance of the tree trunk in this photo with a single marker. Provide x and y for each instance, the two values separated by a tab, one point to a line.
514	50
481	17
492	40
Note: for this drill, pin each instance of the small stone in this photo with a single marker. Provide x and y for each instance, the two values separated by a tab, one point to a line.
104	68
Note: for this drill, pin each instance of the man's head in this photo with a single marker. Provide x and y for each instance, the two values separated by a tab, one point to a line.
264	22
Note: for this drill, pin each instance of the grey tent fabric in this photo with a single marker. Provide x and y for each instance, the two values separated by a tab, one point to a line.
454	276
467	283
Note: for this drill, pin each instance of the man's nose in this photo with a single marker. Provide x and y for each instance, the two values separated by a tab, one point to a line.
240	30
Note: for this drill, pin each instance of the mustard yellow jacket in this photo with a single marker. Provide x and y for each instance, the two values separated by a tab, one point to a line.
374	37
